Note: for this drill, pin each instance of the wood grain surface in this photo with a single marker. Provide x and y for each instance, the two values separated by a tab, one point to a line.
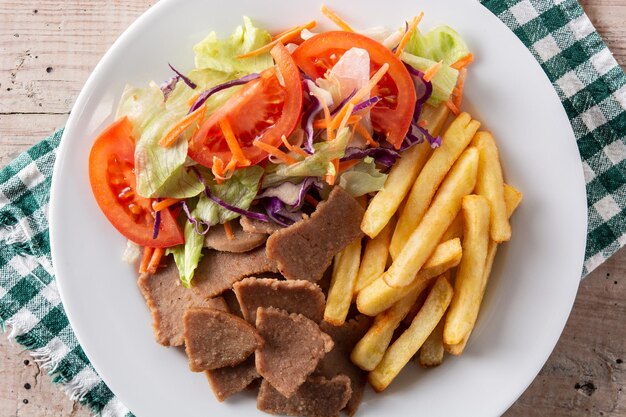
47	50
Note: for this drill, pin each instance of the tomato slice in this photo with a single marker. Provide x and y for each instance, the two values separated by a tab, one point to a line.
113	182
263	109
393	114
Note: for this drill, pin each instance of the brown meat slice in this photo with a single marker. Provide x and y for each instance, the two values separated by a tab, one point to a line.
232	379
231	301
317	397
218	271
242	241
168	300
215	339
338	362
257	226
296	296
294	345
306	249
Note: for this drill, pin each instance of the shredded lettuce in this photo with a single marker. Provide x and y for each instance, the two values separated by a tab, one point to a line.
440	44
362	178
187	256
315	165
239	190
161	172
443	82
221	54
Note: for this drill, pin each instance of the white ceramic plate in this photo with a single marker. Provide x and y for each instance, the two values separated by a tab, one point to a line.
534	280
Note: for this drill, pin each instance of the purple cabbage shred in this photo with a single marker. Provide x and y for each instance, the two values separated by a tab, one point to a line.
196	223
204	96
157	223
382	155
366	103
185	79
168	86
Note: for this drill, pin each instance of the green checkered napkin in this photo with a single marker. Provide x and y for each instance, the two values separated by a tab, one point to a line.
590	83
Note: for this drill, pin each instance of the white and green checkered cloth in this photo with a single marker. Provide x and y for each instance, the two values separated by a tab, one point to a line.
590	83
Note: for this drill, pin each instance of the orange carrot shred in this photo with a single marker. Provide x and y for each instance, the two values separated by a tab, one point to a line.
193	99
229	231
458	94
327	121
272	150
292	148
218	169
409	32
321	123
453	108
366	135
432	71
155	260
463	62
334	17
145	259
233	143
312	201
175	131
165	203
283	38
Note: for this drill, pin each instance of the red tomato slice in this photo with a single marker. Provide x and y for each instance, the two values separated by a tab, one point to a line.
392	115
113	182
262	109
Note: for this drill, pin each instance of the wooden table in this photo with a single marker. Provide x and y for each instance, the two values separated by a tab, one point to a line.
47	50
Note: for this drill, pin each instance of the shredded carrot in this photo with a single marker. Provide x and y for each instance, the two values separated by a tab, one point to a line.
422	123
274	151
330	178
359	95
292	148
458	90
229	231
322	123
312	201
327	121
432	71
283	38
346	165
165	203
233	143
334	17
366	135
218	169
453	108
193	99
155	260
175	131
145	259
346	117
463	62
409	32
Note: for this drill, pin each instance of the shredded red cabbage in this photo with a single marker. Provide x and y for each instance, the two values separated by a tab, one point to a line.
286	191
382	155
343	103
278	213
204	96
157	223
227	206
308	115
185	79
366	103
196	223
168	86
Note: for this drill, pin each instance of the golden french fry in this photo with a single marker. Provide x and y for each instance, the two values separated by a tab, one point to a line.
418	304
374	258
402	175
467	288
345	269
455	229
369	351
403	349
431	352
458	183
513	198
378	296
455	140
490	184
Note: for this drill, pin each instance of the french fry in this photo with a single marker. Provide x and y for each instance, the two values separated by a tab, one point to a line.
378	296
455	140
402	175
469	278
369	351
403	349
345	269
455	229
431	352
458	183
513	198
490	184
374	258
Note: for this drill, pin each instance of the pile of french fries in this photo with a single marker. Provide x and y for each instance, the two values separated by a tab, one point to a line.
432	236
